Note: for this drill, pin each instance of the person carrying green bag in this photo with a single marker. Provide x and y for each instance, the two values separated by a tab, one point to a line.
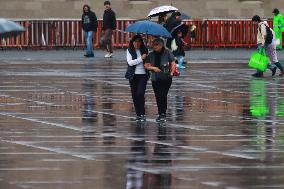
266	39
259	60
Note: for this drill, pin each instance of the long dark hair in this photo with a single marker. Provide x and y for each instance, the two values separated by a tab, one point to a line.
131	48
89	8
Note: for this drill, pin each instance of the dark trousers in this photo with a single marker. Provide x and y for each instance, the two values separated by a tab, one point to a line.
108	40
138	88
161	89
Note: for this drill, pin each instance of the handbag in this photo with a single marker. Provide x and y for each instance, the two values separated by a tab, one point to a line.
174	46
176	71
259	60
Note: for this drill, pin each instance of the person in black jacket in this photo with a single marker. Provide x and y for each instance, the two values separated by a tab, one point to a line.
89	25
109	24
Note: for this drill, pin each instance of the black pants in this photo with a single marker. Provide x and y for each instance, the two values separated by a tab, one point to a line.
138	88
161	89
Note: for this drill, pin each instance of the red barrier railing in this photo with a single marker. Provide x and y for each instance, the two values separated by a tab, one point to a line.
57	33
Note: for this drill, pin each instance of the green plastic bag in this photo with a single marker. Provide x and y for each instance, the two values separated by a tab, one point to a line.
259	60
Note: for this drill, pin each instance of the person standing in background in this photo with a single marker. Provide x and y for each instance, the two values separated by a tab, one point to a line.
109	24
278	27
89	25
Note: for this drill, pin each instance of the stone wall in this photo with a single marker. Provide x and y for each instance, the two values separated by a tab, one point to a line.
138	8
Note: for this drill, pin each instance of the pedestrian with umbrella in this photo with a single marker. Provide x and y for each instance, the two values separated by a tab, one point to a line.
137	75
160	62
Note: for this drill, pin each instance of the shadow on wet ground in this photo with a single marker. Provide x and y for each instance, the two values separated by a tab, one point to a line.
69	124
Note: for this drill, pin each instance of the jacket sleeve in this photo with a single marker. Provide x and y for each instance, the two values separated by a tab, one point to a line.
95	22
102	23
132	62
82	22
113	21
281	23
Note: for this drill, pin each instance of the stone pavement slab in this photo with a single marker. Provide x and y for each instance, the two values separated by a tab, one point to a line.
66	122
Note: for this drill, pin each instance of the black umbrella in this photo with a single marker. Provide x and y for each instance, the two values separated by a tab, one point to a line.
180	27
9	28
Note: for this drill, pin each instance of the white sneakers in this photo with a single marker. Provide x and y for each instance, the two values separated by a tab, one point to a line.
108	55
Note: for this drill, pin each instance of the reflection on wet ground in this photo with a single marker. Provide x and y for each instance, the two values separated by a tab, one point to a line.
69	124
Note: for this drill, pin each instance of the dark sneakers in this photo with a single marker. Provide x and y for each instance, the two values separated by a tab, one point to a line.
257	74
273	70
161	118
141	118
89	55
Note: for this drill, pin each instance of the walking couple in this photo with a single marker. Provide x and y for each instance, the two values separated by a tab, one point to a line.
90	25
160	63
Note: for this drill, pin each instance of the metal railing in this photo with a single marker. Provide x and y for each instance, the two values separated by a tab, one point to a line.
67	33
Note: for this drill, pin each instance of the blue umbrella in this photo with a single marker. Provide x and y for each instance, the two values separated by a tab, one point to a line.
149	28
9	28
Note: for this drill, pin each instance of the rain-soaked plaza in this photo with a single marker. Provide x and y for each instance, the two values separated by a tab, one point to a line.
68	124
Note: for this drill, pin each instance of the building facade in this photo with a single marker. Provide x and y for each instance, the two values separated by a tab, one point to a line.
139	8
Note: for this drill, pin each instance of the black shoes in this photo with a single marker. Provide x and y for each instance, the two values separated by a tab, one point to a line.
141	118
89	55
273	70
161	118
257	74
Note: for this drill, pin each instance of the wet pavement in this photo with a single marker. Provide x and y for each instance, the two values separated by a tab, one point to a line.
67	123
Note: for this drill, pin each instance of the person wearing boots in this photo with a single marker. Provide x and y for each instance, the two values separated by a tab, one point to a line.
263	41
89	25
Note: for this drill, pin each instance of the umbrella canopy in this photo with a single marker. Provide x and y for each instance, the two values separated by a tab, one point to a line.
181	27
149	28
9	28
162	10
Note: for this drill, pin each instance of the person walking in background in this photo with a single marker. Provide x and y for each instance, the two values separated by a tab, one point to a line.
278	27
89	25
136	73
161	63
173	20
178	49
109	24
266	39
162	19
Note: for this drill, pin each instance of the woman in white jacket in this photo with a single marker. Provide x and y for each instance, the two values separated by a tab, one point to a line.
137	75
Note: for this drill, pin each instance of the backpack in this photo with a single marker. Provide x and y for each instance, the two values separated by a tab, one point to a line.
269	35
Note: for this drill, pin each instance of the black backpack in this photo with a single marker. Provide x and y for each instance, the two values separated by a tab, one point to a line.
269	35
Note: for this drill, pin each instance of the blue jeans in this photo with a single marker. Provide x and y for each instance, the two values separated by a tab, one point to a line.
180	60
89	41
